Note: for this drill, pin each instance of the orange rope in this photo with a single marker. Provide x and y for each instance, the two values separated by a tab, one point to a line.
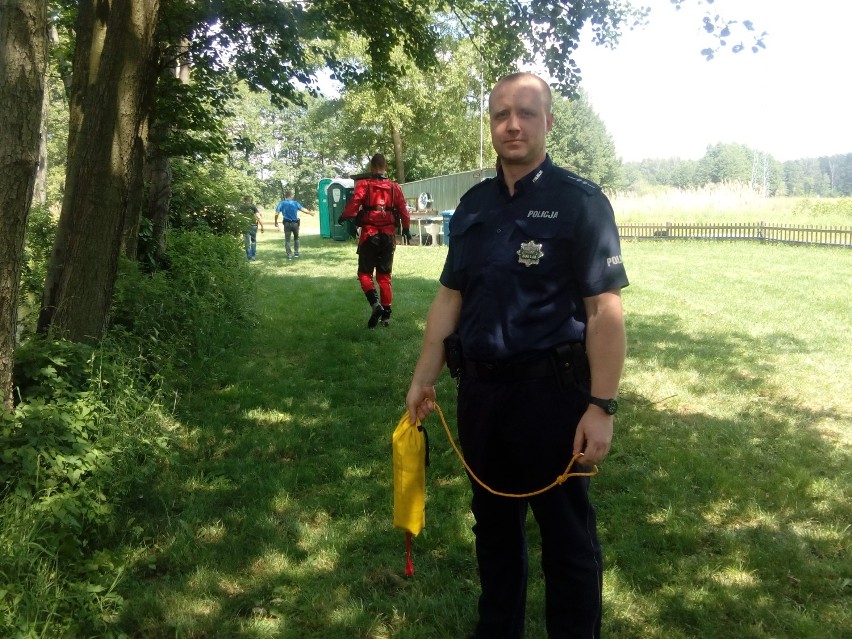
561	479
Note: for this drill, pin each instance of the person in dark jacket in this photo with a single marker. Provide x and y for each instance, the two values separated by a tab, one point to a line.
530	299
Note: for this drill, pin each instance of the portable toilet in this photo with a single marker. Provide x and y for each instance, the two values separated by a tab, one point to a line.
339	193
324	217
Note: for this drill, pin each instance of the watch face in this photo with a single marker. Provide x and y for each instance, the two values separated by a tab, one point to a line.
610	406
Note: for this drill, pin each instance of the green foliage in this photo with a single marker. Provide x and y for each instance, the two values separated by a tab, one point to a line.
74	448
677	173
726	163
819	209
436	115
829	176
205	196
88	436
580	142
284	145
38	242
195	113
187	309
546	33
57	139
825	176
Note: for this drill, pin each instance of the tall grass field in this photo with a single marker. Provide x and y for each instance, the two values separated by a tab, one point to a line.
724	507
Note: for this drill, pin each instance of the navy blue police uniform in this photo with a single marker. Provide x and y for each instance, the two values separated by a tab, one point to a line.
523	265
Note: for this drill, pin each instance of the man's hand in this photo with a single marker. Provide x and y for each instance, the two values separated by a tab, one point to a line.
420	402
594	435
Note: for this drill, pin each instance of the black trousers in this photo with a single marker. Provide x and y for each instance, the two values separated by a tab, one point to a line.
375	253
518	437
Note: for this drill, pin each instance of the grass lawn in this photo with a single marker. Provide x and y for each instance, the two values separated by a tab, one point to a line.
724	507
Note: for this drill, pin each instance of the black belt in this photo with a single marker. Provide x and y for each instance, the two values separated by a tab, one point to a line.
509	371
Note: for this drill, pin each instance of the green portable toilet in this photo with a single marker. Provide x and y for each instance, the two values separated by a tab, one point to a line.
324	216
339	192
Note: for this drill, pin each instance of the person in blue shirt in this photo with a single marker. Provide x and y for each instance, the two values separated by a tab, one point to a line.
529	304
288	209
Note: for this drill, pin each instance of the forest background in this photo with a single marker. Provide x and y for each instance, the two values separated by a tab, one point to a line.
121	269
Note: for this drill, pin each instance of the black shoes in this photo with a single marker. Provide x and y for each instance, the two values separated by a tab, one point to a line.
375	316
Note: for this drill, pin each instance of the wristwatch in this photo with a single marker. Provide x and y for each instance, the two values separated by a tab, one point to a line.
610	406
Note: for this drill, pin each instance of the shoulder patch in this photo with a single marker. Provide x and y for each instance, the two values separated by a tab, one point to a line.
479	185
580	182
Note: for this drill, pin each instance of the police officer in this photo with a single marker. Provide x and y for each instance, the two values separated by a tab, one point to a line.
531	288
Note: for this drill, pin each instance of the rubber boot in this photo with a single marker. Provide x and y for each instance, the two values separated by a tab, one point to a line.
385	318
378	309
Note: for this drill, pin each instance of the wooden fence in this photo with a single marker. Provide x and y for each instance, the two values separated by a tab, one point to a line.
761	231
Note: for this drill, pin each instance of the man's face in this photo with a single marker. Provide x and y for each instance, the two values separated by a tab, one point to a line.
520	121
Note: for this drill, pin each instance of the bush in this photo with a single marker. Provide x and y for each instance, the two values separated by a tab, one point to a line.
825	210
83	437
205	197
188	309
88	432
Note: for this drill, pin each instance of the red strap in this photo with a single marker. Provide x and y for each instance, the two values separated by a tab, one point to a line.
409	567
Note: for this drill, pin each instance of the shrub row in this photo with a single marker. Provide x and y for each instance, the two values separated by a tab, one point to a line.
90	430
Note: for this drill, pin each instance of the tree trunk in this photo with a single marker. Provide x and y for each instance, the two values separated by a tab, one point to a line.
135	198
159	168
23	56
159	191
397	153
113	78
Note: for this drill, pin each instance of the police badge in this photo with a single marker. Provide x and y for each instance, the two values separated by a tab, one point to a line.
530	253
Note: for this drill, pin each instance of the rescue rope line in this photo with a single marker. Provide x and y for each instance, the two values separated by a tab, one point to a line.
561	479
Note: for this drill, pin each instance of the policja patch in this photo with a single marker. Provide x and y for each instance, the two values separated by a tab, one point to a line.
530	253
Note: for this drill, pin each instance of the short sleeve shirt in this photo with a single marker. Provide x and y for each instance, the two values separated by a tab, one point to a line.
289	210
524	263
250	211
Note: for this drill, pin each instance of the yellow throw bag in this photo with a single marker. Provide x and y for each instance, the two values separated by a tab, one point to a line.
410	451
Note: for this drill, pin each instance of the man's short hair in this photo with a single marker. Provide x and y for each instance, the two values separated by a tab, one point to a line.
378	163
518	75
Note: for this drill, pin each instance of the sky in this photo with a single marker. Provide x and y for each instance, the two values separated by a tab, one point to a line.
659	97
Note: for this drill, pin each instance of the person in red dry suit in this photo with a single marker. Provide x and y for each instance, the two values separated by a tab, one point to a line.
377	204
